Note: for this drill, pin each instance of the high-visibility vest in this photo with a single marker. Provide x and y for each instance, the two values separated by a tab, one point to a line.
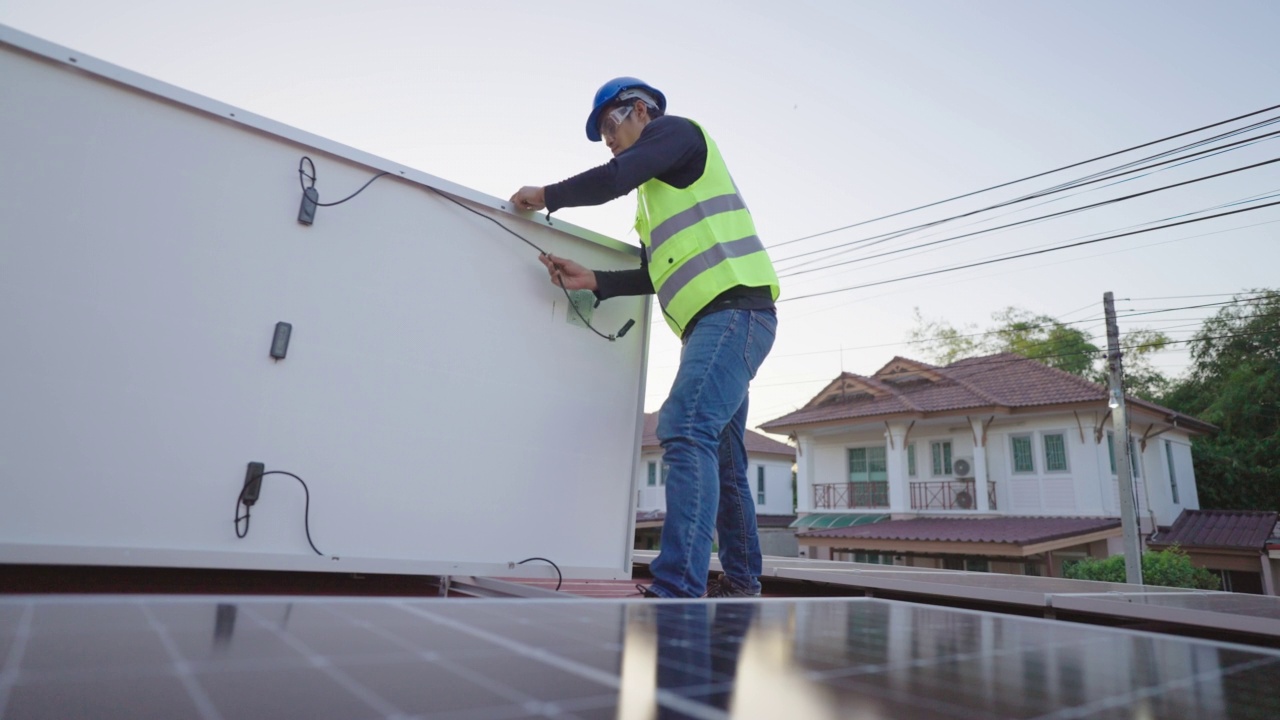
701	241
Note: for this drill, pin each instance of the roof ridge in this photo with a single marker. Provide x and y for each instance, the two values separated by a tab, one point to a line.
894	392
969	386
1084	382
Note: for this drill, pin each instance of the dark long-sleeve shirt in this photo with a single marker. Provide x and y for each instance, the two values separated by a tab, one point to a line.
673	150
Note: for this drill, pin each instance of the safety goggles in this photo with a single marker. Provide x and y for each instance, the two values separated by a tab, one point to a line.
610	121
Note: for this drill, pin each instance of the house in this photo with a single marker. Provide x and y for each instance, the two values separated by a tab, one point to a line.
769	470
995	463
1237	545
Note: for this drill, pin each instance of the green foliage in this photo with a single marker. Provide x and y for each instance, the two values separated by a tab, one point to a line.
1235	384
1047	340
1167	568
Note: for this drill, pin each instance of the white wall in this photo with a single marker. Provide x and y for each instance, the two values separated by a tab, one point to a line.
1086	488
650	497
777	478
1044	492
777	485
149	247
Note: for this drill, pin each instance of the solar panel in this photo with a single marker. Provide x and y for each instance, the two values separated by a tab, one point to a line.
210	658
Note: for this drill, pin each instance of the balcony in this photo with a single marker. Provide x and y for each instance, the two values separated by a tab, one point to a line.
831	496
949	495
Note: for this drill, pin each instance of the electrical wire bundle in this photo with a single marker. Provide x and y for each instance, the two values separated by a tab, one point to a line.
804	264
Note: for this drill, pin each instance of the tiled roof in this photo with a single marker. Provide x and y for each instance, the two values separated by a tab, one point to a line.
774	521
1226	529
757	444
1012	530
1004	380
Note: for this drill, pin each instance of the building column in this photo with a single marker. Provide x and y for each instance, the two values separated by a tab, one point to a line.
981	502
804	474
895	455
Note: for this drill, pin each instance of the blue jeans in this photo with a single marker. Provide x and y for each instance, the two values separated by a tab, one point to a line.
701	427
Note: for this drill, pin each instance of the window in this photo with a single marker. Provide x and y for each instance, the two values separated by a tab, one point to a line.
867	464
1173	474
911	460
653	474
1133	454
1111	450
1055	452
872	558
977	565
760	484
1023	461
941	452
666	470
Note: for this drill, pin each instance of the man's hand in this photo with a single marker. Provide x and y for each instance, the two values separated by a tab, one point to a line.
529	197
568	274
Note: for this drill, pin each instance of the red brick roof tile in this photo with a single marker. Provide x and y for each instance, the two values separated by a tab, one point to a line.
1012	530
1004	380
1226	529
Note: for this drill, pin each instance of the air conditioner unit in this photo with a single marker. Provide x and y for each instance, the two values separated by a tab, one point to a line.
962	467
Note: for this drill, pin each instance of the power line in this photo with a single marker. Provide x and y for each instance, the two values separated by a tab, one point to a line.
1028	254
1189	297
1100	354
1060	213
1079	182
1031	177
1251	198
1055	323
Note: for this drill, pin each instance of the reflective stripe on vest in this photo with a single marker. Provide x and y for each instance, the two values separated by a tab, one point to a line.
700	240
694	215
705	260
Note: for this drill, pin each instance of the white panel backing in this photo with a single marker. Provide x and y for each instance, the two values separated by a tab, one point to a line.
435	397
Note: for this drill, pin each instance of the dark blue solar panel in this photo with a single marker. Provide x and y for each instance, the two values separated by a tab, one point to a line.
134	657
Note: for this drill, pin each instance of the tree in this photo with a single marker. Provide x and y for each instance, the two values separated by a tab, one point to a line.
1166	568
1234	383
1043	338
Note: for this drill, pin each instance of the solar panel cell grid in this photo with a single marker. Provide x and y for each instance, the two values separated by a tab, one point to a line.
215	658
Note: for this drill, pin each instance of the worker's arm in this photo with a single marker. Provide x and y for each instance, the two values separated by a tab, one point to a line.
669	148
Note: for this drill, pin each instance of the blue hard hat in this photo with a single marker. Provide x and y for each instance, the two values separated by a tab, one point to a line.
609	92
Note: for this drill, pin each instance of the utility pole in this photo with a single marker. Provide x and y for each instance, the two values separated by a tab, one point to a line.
1120	443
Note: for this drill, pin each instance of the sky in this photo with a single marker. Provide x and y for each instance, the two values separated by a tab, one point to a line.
827	113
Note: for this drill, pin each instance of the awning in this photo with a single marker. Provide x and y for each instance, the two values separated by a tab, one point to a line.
837	520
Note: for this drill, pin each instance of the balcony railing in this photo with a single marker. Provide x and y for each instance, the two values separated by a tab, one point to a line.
949	495
873	494
943	495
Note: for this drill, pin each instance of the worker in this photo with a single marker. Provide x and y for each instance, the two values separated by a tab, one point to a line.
716	287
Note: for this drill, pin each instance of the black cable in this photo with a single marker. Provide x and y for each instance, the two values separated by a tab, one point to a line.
1028	254
572	304
312	178
544	253
306	513
1060	213
1079	182
559	577
239	517
1031	177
